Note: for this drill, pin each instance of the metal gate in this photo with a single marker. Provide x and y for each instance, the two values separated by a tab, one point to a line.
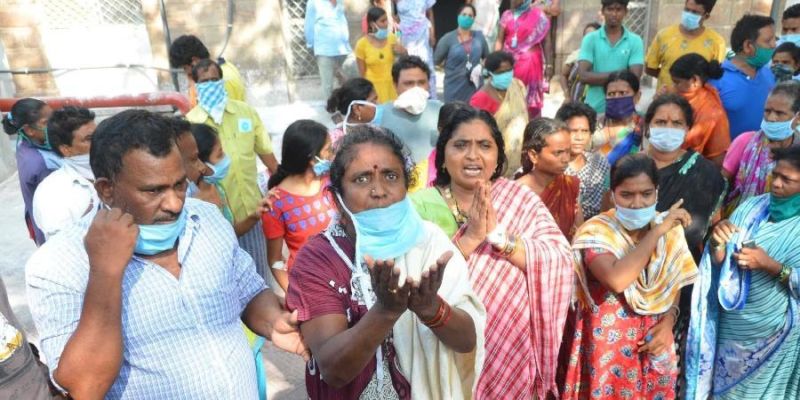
301	61
638	19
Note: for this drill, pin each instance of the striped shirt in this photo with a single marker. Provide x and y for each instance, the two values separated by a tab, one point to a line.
182	337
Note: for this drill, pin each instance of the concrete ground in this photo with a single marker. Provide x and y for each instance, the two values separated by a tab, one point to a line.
285	372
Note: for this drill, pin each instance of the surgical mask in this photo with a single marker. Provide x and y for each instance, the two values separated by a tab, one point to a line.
635	218
465	21
386	233
413	101
157	238
690	20
782	72
82	165
376	119
219	170
666	139
761	58
381	33
502	80
777	131
191	188
43	146
321	167
619	108
213	97
782	208
792	37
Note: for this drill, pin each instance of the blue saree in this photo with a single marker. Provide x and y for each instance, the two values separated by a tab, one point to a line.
744	334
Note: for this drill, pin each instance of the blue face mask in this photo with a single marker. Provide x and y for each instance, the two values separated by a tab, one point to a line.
502	81
387	233
782	72
322	167
157	238
666	139
690	20
777	131
465	21
382	33
212	97
220	170
792	37
191	188
635	218
524	6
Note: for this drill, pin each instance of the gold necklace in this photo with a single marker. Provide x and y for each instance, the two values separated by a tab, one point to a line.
460	216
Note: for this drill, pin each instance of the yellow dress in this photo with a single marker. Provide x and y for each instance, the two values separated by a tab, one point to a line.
378	63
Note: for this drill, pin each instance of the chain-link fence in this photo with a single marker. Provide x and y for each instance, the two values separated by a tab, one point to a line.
638	19
302	62
61	14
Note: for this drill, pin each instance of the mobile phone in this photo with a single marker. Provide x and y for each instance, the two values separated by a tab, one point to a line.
749	244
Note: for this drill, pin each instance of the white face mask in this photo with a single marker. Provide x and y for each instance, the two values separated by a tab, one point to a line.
376	119
413	101
81	164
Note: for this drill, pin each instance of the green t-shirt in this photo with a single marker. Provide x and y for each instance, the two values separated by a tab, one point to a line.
597	50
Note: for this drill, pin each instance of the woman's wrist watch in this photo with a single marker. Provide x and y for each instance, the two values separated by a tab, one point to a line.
498	238
502	242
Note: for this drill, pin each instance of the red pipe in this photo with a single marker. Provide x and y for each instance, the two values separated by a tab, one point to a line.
174	99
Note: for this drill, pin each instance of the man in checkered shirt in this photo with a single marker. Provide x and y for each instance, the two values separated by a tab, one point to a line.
144	299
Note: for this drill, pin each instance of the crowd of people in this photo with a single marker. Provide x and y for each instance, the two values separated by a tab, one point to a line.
427	249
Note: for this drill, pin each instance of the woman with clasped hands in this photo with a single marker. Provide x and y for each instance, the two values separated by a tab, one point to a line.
383	298
519	262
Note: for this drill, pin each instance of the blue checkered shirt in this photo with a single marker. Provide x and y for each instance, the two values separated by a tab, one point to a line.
182	337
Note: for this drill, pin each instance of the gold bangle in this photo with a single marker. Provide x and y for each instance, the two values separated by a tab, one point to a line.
511	248
458	246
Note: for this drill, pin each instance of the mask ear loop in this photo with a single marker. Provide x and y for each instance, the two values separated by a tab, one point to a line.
364	283
345	120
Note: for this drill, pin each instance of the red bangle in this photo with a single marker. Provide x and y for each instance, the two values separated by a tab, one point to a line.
448	313
437	318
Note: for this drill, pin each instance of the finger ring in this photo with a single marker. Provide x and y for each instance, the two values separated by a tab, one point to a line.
393	291
648	338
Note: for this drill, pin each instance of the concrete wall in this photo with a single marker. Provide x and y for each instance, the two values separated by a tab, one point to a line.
577	13
259	41
256	45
